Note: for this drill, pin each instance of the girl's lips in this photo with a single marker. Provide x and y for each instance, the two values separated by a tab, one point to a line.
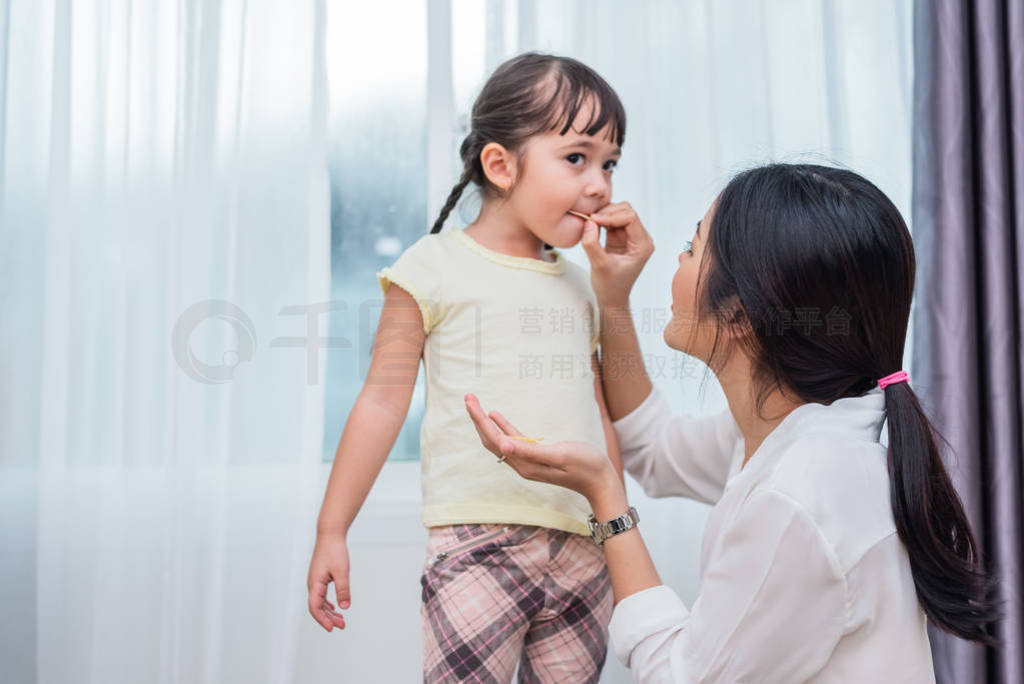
585	217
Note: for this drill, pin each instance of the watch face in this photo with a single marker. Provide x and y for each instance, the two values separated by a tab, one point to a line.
599	532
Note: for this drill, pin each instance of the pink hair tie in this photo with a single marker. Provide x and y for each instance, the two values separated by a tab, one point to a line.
898	376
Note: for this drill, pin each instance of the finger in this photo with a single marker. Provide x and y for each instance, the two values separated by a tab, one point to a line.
526	452
333	615
330	618
606	209
614	215
502	422
490	435
592	244
480	421
622	216
341	589
317	611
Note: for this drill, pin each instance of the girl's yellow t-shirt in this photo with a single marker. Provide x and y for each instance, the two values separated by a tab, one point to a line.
519	334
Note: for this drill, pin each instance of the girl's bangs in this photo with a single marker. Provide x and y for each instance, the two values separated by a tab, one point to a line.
570	99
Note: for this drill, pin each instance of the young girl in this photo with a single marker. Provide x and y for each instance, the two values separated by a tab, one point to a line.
826	552
511	576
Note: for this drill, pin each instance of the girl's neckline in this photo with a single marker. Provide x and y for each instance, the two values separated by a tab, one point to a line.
555	267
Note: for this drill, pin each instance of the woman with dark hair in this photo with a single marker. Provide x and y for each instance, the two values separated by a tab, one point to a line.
826	552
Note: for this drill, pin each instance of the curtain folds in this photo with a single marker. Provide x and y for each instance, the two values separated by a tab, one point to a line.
164	203
968	210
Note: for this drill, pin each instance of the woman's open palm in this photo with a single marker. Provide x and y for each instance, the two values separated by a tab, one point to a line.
579	466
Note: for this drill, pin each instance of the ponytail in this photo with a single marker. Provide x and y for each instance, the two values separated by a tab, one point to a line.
954	589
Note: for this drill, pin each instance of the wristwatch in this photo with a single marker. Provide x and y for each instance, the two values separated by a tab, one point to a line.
601	531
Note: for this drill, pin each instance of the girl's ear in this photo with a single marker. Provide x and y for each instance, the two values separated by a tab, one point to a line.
499	165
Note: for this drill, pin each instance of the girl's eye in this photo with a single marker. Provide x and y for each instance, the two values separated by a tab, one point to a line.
611	164
688	247
573	157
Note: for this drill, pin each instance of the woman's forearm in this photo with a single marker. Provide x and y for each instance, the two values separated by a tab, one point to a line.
629	563
625	379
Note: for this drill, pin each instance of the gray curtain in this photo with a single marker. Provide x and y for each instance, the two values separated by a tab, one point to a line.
968	222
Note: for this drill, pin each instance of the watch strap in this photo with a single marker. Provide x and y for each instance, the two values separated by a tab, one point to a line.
599	532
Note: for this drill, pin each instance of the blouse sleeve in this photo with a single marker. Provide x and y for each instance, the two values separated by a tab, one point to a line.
771	608
677	455
419	271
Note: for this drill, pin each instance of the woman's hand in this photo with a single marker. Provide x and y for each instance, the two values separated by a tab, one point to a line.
578	466
615	266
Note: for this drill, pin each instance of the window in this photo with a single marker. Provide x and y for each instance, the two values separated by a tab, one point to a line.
376	71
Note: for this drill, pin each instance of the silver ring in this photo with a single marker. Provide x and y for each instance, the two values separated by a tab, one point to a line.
502	459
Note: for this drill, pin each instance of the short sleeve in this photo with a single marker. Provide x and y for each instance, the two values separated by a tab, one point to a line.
771	607
419	271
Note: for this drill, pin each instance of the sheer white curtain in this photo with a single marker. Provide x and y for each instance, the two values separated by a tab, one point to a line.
165	218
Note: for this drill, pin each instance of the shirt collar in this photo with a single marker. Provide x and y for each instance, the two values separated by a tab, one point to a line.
556	267
850	418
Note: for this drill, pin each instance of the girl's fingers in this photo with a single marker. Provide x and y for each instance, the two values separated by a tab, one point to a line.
317	595
331	619
335	617
317	610
329	609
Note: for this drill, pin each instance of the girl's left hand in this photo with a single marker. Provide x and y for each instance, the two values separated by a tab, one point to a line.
578	466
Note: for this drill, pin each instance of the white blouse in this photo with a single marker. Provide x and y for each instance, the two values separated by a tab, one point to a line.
803	577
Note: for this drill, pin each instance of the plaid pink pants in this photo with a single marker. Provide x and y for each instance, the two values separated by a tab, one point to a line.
498	595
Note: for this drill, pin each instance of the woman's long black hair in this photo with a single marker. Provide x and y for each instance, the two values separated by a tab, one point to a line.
817	265
529	94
